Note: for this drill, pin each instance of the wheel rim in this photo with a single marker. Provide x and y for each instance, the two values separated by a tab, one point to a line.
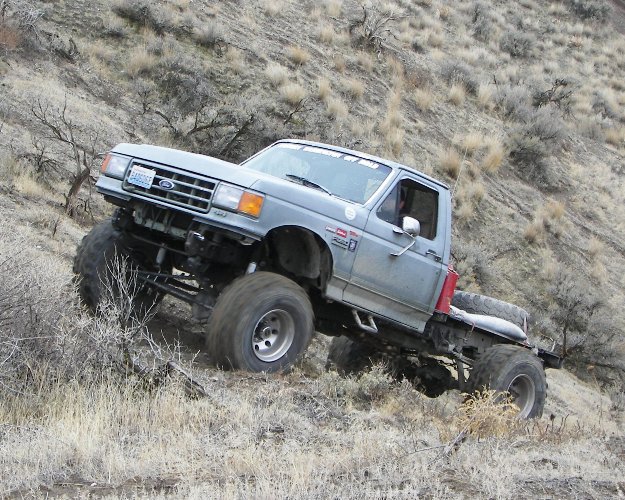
523	394
273	335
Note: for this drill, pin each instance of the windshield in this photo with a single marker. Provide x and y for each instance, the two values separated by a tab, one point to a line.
342	175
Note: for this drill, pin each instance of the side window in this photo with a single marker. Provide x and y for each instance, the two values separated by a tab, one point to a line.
410	198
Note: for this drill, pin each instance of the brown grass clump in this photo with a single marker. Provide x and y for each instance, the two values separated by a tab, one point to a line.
235	59
326	33
595	248
424	99
27	185
272	7
457	94
615	136
485	96
450	162
365	61
339	64
554	209
298	55
535	232
333	7
494	157
276	73
324	88
292	93
472	142
140	62
335	108
355	88
488	413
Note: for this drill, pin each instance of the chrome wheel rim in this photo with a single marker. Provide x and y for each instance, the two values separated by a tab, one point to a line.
523	393
273	335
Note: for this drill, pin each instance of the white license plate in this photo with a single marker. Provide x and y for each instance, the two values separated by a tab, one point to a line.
141	176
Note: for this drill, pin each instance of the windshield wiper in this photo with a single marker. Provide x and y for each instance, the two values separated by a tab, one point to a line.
305	182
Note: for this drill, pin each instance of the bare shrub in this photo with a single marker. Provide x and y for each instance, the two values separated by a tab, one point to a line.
458	73
141	13
517	44
76	145
373	28
559	95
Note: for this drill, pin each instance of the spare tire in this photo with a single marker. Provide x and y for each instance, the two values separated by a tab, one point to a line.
481	304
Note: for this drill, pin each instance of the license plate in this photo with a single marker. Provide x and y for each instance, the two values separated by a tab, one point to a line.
141	176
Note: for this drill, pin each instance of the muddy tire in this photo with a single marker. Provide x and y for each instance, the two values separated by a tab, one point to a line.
516	370
262	322
94	266
481	304
349	357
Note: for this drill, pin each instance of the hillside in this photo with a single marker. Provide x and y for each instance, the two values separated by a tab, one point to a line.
519	106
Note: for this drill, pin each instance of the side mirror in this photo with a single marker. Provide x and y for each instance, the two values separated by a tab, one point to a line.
411	226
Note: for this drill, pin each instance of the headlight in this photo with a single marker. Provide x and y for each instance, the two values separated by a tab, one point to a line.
238	200
115	166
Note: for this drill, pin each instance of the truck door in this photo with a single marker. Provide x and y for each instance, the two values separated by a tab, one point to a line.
405	287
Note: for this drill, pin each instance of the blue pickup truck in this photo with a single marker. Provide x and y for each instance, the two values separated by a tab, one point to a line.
306	237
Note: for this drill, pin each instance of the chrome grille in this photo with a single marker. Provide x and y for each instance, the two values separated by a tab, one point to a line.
189	190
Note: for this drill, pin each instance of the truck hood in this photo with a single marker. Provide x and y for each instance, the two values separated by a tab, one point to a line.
239	175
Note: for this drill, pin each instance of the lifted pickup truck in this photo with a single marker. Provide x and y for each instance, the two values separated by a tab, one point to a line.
301	237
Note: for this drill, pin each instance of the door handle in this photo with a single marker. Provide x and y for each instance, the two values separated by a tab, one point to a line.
431	252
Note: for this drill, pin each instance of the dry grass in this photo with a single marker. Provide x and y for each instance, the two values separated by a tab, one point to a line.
494	156
615	136
355	88
333	7
338	63
298	55
472	142
140	62
26	184
595	248
292	93
485	96
272	7
535	231
457	94
236	60
326	33
324	89
365	61
424	99
336	108
276	74
450	162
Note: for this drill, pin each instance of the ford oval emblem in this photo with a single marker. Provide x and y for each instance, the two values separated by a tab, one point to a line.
166	184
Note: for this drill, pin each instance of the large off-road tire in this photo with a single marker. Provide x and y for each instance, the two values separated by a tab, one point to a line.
262	322
95	267
481	304
512	369
350	357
